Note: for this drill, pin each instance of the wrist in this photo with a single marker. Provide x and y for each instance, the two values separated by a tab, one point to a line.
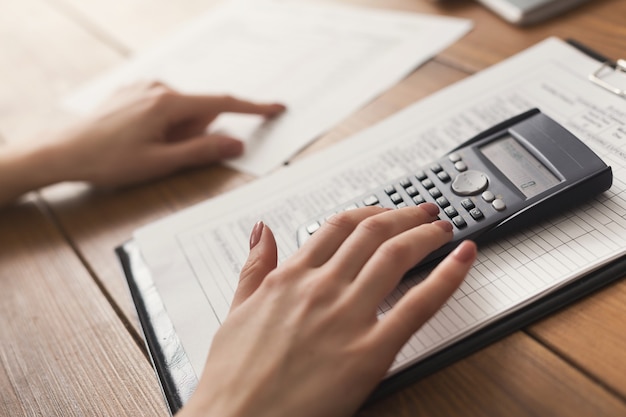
28	167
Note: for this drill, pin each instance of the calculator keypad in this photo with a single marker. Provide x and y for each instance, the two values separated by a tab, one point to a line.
438	184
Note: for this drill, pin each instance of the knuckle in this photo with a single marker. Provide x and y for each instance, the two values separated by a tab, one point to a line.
351	219
159	97
155	84
396	251
433	234
343	220
228	100
375	225
273	282
316	292
279	276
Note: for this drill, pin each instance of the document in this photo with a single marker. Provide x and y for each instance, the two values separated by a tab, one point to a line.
195	256
323	61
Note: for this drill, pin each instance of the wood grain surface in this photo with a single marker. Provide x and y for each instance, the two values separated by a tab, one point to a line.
70	340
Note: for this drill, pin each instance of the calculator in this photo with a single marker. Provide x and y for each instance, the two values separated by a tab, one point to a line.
505	178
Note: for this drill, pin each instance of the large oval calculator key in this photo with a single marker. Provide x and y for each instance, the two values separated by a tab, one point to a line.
505	178
470	183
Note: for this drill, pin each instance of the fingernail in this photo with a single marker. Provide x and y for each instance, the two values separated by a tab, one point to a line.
255	236
465	252
443	225
430	208
230	147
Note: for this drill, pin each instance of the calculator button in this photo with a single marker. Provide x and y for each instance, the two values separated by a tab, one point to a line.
459	222
470	183
352	207
476	213
435	192
371	200
405	182
401	205
418	199
396	198
460	166
454	157
427	183
420	175
443	202
451	212
467	204
436	168
443	176
412	191
390	189
313	227
498	204
488	196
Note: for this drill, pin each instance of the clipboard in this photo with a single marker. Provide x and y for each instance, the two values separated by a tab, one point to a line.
178	379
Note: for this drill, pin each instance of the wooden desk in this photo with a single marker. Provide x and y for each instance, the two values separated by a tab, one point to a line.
70	344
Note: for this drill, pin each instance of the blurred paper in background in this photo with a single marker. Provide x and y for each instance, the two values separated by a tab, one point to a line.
324	62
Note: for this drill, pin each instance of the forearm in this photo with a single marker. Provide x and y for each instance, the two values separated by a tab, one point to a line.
149	132
27	167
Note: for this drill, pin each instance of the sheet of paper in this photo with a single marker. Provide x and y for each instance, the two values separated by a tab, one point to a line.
195	256
322	61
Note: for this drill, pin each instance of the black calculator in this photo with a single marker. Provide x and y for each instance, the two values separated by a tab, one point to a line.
503	179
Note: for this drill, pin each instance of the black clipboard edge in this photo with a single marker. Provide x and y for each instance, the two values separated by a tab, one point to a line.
177	379
592	53
509	324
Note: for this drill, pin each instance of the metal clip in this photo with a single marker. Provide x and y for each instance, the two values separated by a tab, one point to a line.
597	76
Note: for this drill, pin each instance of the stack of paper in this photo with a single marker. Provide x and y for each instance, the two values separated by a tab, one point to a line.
322	61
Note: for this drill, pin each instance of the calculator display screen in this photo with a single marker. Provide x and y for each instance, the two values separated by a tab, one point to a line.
528	174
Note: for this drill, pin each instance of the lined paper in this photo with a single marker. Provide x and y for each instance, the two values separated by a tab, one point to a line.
196	255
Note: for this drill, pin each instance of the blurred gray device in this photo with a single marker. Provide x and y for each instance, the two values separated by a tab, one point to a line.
527	12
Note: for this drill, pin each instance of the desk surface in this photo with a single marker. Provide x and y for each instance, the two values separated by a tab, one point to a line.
70	343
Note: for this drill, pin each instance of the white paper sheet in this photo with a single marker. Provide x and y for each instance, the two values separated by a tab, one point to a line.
322	61
196	255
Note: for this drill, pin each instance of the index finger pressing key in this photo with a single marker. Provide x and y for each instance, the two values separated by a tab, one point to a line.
395	257
373	232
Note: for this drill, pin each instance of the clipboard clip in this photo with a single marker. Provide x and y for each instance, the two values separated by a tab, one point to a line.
608	67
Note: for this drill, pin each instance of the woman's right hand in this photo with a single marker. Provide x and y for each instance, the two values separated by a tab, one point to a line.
304	338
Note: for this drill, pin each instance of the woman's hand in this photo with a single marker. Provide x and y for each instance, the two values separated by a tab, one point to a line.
149	131
143	132
304	339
